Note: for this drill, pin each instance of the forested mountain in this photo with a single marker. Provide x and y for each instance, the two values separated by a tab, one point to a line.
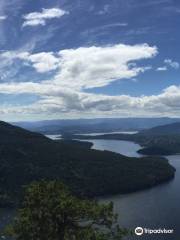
26	156
168	129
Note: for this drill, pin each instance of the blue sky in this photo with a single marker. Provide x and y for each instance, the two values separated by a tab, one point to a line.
85	58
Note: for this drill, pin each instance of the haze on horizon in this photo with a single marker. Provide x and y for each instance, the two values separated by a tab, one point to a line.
87	58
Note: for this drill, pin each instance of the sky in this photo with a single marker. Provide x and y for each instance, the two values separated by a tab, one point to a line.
88	58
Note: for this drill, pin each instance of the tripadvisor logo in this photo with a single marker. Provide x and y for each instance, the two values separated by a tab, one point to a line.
140	231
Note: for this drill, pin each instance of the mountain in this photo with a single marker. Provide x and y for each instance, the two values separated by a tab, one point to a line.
27	156
168	129
161	140
94	125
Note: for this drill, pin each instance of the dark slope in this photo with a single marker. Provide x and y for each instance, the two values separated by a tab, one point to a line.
27	156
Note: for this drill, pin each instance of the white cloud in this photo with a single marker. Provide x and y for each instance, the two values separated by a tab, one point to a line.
164	68
34	22
42	62
171	63
89	67
40	18
68	102
3	17
77	70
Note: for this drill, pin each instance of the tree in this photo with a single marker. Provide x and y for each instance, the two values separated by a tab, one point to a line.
51	212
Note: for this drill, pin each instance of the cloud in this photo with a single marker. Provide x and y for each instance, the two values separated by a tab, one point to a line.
106	26
40	18
171	63
105	10
3	17
42	62
117	24
71	103
89	67
164	68
77	70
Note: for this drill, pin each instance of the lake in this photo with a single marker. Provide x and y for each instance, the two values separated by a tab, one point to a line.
102	133
54	136
123	147
158	207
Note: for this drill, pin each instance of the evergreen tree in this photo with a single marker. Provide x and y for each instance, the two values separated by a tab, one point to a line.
51	212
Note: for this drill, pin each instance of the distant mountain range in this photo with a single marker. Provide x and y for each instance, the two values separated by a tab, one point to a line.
94	125
27	156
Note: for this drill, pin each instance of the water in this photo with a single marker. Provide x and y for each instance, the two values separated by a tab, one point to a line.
54	136
123	147
59	136
102	133
158	207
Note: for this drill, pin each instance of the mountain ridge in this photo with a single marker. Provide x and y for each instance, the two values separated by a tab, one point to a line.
94	125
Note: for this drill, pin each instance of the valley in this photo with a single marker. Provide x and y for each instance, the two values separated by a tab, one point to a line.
27	156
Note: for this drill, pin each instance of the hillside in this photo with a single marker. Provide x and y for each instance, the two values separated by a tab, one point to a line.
27	156
168	129
160	140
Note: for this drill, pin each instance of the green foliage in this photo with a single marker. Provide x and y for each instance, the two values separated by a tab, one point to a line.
26	157
51	212
153	150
